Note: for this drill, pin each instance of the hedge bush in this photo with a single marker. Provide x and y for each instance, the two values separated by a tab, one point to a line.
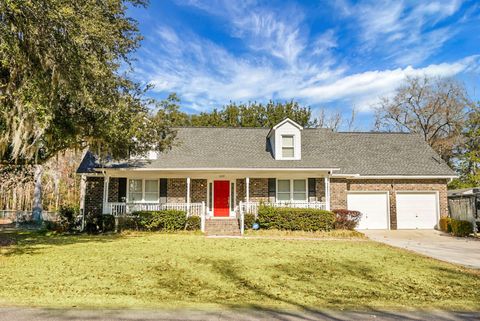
461	228
128	223
68	217
248	220
346	219
445	224
295	219
193	223
166	220
107	223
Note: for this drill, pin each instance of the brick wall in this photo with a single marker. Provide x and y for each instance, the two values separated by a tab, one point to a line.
94	195
320	189
340	187
240	190
176	190
259	189
113	189
198	190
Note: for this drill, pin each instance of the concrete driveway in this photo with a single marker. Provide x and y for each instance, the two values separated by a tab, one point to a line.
463	251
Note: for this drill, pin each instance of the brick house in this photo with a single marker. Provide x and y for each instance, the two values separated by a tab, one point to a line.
396	180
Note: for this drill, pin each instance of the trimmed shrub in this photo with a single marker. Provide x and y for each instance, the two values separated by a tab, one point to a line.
68	217
346	219
248	220
295	219
445	224
193	223
107	223
54	226
128	223
93	222
461	228
166	220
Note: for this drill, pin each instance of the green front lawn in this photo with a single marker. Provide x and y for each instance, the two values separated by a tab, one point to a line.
187	270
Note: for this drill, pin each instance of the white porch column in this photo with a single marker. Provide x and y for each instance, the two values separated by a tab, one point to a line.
247	194
83	188
188	195
106	181
327	193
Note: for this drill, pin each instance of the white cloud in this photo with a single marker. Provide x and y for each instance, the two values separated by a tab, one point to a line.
281	60
206	75
407	30
364	89
276	32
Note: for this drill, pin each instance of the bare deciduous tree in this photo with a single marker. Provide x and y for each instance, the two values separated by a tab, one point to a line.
436	108
336	121
331	121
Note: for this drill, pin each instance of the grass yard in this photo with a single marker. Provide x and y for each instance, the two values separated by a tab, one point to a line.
146	270
333	234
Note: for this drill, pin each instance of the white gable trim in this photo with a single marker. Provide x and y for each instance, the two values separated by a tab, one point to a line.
286	120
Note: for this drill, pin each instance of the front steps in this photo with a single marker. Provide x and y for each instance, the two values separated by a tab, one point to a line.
222	227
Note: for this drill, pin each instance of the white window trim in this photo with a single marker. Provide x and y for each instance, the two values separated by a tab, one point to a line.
293	143
291	189
143	190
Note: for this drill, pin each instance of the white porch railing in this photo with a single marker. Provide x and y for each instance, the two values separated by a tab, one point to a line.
252	207
120	209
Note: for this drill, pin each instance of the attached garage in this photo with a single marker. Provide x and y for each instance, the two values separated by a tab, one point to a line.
374	207
417	210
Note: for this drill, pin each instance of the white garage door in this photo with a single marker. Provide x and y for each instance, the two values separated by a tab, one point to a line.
417	210
374	209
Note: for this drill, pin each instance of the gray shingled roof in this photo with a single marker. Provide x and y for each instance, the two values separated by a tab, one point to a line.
353	153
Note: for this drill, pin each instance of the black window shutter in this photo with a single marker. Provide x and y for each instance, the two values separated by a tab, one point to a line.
272	187
312	187
122	189
163	187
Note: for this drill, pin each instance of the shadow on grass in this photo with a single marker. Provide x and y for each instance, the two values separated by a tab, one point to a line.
227	270
18	242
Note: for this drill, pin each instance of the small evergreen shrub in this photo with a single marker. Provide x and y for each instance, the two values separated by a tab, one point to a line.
295	219
193	223
248	220
166	220
445	224
68	218
107	223
93	222
346	219
54	226
128	223
461	228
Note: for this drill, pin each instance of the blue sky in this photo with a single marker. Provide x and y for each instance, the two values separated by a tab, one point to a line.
335	55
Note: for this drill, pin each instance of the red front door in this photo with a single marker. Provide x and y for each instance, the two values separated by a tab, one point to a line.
221	194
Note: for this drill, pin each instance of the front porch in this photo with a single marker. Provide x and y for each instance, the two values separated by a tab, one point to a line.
216	195
211	195
199	209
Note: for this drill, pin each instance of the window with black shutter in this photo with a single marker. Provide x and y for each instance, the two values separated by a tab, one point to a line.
312	187
163	190
122	189
272	189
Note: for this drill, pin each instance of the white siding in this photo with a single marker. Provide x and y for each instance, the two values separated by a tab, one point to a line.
287	129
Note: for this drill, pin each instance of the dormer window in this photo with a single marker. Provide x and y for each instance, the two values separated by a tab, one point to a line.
288	146
285	140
